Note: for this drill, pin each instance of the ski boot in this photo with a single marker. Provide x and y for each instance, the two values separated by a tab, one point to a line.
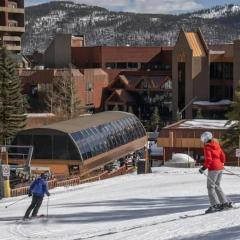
214	208
227	205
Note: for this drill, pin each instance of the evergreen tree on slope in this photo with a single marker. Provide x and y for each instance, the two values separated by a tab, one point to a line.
12	118
231	137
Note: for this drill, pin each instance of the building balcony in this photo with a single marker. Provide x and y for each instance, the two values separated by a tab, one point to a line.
13	47
12	10
12	38
12	29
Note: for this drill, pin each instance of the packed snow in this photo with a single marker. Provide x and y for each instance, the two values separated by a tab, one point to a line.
205	124
180	160
141	207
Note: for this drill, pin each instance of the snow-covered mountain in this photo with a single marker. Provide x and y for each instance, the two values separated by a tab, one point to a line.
130	207
218	12
102	27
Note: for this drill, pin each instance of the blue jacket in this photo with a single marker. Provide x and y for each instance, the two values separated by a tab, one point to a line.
39	187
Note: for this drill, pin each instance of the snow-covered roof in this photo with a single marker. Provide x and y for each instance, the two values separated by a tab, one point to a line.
217	52
204	124
33	115
207	103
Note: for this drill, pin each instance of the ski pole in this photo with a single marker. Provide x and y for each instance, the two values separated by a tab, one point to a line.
16	201
47	206
231	172
228	198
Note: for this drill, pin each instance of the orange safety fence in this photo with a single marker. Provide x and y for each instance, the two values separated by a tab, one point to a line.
75	181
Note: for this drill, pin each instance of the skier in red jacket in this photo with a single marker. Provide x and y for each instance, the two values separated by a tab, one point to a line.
214	159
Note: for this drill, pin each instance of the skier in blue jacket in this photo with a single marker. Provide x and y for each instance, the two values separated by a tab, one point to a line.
37	190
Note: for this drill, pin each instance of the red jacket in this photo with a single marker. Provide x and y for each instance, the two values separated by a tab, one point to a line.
214	156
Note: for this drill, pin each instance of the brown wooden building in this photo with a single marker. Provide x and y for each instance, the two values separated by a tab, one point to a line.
202	72
89	86
184	137
141	91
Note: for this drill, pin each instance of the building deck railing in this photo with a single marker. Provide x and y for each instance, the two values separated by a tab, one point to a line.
12	29
12	10
75	181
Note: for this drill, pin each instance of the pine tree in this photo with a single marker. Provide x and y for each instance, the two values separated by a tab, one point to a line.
231	137
12	101
199	114
155	120
116	108
130	109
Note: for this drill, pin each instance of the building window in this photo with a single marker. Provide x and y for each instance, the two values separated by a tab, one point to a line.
12	4
220	92
34	90
110	65
89	87
158	66
181	85
121	65
132	65
221	70
42	146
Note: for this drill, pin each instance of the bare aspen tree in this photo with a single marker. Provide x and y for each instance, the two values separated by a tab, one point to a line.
62	98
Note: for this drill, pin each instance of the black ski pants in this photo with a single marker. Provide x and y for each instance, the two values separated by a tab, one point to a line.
35	205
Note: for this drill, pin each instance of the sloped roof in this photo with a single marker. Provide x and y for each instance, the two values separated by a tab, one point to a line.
195	44
121	78
123	95
133	81
48	73
83	122
199	124
155	82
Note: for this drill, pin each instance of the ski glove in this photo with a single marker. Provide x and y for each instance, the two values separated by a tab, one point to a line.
48	194
202	169
29	194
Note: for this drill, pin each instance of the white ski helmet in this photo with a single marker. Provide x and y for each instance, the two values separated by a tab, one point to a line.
206	137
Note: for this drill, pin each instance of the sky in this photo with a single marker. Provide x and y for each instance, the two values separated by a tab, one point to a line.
149	6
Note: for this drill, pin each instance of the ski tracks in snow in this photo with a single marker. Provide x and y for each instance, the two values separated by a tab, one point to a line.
42	229
170	225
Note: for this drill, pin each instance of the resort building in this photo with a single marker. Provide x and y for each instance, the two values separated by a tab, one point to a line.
12	24
184	137
204	76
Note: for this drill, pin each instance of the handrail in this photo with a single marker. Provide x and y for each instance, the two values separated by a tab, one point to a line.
75	181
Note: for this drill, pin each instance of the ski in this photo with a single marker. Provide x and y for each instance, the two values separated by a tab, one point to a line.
42	216
203	213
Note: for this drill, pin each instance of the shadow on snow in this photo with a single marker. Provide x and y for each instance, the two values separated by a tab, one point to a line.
129	209
229	233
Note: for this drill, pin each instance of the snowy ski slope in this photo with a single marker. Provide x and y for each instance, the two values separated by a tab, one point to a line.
133	207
